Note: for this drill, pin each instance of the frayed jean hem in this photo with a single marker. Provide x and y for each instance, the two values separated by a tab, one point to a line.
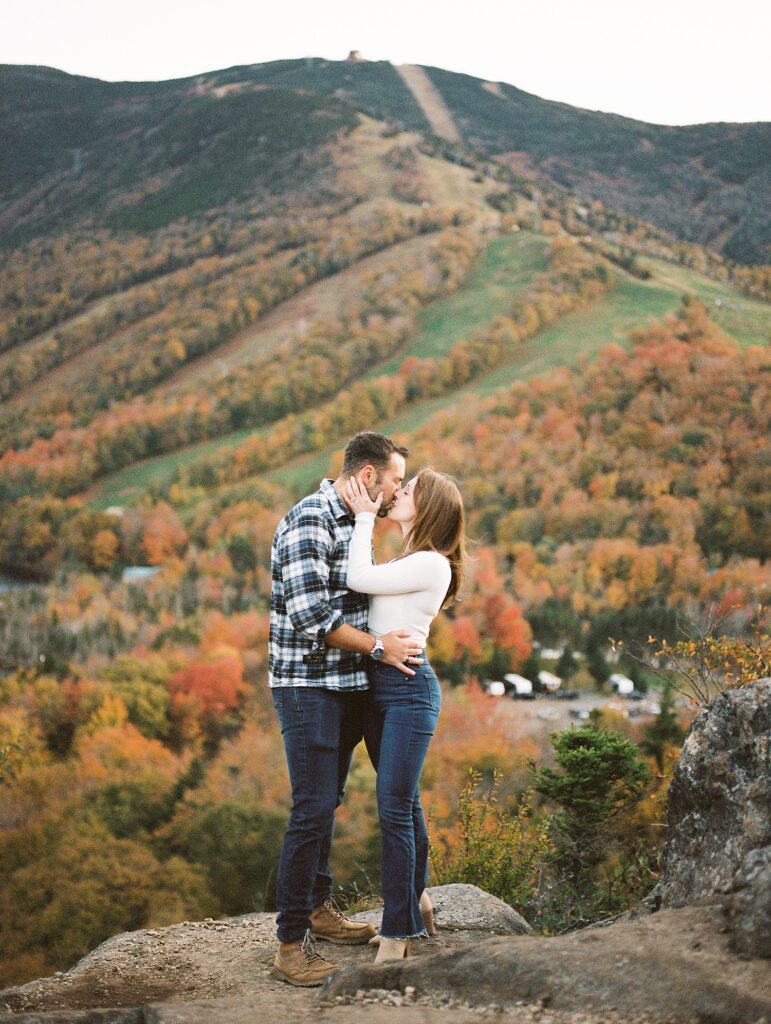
403	938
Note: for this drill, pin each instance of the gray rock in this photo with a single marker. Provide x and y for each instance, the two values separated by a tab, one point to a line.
109	1016
671	966
465	908
719	806
749	905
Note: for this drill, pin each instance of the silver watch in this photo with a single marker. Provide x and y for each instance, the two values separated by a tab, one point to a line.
378	650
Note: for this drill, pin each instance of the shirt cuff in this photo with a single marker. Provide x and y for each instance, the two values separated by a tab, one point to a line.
365	517
336	622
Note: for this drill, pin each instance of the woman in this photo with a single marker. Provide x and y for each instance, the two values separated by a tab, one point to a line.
406	593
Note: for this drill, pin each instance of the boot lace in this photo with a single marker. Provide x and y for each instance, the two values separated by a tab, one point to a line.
308	949
333	908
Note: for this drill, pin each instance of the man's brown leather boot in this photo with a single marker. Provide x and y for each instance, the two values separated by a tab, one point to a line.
329	924
300	964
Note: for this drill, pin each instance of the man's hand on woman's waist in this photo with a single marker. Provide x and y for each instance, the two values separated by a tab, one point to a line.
399	648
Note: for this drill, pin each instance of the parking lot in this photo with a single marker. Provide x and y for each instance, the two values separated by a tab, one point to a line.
535	719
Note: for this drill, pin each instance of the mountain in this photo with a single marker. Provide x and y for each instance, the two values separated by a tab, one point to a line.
75	145
214	277
140	156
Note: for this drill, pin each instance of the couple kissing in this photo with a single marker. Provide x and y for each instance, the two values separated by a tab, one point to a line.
346	663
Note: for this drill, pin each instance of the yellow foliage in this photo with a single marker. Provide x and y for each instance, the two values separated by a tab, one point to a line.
122	753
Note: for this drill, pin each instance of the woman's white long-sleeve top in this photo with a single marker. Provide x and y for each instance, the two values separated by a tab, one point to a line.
404	594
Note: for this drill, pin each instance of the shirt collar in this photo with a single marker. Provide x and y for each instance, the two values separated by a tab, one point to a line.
339	509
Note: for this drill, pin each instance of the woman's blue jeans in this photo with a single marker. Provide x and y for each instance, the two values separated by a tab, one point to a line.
403	717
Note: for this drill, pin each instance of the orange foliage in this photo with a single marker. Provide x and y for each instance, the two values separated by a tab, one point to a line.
105	547
122	753
242	631
163	536
466	635
214	686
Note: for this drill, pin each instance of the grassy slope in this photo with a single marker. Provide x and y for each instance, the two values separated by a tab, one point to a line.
746	319
577	334
632	304
504	270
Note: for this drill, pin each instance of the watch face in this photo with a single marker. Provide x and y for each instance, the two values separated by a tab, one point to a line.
377	653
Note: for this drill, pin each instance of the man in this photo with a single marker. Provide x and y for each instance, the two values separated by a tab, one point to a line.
317	654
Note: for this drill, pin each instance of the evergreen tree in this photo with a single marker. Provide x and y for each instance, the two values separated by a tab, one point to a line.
664	729
598	777
597	666
532	666
566	666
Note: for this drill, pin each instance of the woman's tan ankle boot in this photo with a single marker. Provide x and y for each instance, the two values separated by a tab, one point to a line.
427	913
392	949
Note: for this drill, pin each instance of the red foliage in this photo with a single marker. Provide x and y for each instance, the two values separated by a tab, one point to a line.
466	636
216	686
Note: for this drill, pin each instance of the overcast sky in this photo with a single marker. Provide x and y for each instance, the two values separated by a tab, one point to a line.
665	61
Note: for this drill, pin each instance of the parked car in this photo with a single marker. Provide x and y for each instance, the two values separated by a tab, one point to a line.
579	714
620	684
549	681
518	686
494	688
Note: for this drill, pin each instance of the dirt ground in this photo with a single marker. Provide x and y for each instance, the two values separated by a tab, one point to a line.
218	972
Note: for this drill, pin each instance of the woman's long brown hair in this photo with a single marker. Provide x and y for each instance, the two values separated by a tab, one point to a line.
440	524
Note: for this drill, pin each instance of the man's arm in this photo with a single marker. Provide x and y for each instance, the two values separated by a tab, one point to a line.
397	646
304	552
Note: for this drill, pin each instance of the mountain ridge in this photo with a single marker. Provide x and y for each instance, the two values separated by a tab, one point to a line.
704	183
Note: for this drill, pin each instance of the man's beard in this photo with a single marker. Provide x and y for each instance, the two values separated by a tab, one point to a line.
385	507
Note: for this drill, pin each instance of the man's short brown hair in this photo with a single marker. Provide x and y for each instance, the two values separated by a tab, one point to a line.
370	449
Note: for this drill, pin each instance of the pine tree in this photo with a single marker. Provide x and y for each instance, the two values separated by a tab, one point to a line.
664	729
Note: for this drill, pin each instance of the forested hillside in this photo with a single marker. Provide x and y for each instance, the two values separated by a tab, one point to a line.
139	155
207	287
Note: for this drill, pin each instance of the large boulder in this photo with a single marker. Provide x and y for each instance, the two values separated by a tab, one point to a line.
719	807
749	905
673	966
466	908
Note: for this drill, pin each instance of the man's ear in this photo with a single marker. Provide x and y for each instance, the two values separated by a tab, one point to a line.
368	475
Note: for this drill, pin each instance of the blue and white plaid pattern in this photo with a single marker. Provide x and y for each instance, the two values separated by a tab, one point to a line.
309	564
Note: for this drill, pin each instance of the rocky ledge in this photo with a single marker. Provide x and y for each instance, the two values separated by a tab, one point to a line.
672	966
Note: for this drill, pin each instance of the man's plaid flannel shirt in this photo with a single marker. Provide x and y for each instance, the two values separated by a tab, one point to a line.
309	563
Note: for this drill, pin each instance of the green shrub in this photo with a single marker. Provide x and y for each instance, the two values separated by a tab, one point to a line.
499	851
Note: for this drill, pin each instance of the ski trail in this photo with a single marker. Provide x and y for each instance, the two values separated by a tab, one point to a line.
430	101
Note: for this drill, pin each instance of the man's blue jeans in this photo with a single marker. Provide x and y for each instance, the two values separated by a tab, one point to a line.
405	710
320	729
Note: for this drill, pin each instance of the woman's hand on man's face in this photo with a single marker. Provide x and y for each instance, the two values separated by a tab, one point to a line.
357	498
